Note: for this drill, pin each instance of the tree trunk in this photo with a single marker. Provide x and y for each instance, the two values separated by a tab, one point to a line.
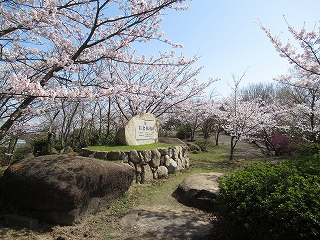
8	155
50	134
14	116
216	137
233	144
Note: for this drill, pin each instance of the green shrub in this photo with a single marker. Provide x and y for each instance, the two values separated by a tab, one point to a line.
184	131
110	139
101	139
307	149
167	133
308	166
40	146
271	202
57	145
21	153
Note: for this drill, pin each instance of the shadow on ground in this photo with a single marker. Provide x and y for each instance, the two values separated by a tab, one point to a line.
165	223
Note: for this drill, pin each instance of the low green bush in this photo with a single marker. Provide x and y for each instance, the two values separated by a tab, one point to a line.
40	146
279	201
21	152
307	148
184	131
100	139
167	133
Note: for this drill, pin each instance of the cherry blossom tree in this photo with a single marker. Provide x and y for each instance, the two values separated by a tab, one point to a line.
217	120
304	112
194	113
255	120
46	44
155	87
78	124
207	127
303	53
305	60
244	119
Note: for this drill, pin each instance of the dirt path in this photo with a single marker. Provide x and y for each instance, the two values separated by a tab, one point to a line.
164	222
158	222
244	149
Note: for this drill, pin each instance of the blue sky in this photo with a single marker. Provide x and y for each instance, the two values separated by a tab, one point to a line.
227	36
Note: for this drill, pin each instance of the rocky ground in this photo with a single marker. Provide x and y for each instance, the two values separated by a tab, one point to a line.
161	221
166	220
142	222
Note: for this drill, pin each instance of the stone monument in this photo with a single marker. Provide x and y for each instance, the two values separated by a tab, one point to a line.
141	129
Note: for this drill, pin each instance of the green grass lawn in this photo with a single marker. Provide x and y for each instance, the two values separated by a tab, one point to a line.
159	191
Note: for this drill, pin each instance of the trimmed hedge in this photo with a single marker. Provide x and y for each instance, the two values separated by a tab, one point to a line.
271	202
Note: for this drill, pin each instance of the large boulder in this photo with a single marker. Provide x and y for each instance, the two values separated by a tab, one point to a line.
199	190
156	158
161	172
193	147
146	174
63	189
100	155
114	155
140	129
172	166
134	156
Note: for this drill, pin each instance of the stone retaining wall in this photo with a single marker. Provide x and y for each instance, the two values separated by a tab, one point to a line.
148	164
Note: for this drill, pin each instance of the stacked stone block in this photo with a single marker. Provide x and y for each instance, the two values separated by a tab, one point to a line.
148	164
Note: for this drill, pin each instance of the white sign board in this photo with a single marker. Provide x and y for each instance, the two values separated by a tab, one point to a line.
145	129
